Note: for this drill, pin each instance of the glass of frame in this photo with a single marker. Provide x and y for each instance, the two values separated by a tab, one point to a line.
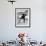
22	17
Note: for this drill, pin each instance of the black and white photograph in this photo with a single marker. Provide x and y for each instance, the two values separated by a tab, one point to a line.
22	17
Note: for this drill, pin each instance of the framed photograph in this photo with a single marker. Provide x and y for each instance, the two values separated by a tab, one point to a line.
22	17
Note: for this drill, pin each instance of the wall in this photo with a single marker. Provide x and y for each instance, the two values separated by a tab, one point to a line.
8	30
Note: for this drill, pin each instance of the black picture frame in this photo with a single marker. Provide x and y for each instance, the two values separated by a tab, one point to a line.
29	18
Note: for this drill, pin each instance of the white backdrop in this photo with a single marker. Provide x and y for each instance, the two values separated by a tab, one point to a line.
38	19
